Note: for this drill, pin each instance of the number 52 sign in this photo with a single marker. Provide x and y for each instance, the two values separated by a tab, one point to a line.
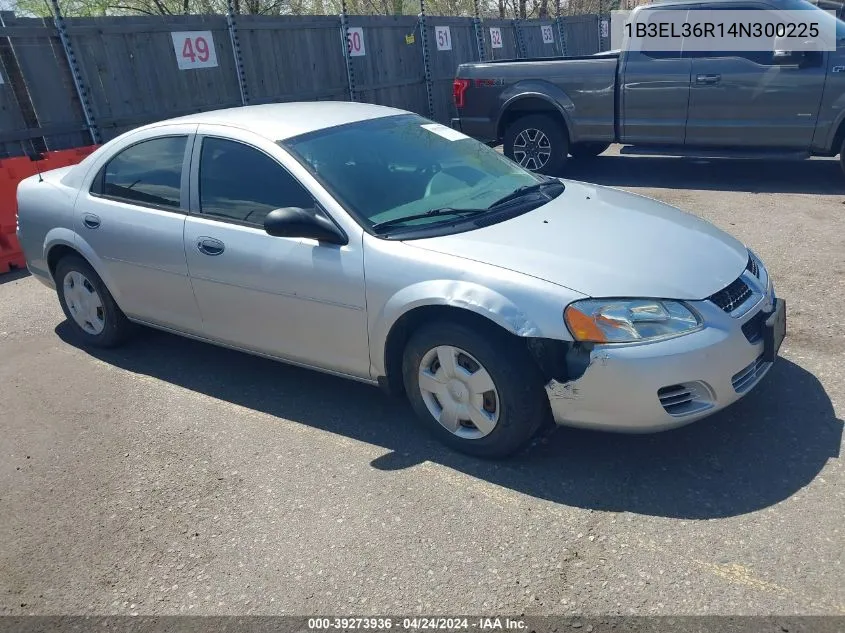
194	49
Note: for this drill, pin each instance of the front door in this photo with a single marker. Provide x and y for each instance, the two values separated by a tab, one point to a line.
654	93
296	299
742	99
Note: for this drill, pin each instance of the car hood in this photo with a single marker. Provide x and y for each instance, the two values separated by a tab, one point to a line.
604	242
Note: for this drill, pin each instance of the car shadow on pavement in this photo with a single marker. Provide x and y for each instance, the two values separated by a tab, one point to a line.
760	451
13	275
819	176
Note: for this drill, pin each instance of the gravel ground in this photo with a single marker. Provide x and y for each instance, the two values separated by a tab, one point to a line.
173	477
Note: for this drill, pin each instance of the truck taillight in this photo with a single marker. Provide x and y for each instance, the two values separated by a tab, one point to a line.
459	87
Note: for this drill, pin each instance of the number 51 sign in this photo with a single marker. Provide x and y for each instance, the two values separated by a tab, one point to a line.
194	49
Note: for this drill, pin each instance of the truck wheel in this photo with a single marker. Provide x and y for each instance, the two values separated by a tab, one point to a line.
586	151
538	143
476	391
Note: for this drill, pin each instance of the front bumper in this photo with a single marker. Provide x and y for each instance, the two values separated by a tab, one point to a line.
656	386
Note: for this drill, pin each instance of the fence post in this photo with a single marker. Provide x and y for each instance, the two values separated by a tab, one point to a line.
78	82
561	32
479	32
601	13
429	89
236	51
344	37
520	45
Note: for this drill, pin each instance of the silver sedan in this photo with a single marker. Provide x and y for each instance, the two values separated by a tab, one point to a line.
375	244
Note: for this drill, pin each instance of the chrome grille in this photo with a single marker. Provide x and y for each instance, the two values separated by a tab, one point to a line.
752	267
730	298
747	377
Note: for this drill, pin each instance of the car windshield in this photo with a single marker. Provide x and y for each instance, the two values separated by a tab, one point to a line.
387	169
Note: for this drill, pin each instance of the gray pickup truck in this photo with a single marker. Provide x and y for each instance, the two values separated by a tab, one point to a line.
711	104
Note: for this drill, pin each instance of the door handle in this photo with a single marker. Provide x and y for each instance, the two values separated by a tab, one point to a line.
91	221
708	80
210	246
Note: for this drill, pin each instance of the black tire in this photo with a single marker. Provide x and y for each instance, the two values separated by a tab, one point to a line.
522	403
587	151
553	130
116	327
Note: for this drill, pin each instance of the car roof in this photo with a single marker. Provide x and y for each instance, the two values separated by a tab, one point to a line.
279	121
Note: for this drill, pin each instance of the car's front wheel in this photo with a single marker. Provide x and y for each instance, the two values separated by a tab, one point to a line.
476	390
94	316
537	142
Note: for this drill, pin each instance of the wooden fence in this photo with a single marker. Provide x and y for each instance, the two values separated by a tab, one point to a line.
115	73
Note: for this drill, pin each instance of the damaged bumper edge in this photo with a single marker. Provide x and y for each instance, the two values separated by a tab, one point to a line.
661	385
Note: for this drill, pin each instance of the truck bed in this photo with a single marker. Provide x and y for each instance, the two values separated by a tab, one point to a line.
582	88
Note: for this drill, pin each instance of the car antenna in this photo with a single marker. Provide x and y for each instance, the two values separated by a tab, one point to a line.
35	157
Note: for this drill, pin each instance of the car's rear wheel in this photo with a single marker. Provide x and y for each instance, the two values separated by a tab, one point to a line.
587	151
94	317
477	391
537	142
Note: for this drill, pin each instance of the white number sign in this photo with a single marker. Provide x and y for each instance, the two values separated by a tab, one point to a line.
548	36
444	38
355	41
194	49
495	37
604	28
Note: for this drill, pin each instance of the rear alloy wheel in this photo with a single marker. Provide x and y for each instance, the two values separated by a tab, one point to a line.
88	305
538	143
476	391
586	151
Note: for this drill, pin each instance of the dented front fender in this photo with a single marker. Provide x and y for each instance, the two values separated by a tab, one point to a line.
401	279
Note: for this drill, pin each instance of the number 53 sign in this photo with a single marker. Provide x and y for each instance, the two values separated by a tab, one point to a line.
194	49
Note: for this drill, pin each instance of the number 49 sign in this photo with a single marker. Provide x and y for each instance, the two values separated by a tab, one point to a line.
194	49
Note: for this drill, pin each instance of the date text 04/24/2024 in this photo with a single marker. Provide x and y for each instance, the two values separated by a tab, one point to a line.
417	623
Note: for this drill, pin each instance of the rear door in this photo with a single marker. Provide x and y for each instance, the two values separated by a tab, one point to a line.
655	90
743	99
133	217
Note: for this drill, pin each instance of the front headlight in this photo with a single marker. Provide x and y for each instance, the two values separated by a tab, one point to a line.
628	320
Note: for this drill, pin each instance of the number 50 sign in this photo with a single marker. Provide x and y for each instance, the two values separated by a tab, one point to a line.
194	49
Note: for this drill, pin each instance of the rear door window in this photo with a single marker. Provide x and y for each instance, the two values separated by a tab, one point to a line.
148	173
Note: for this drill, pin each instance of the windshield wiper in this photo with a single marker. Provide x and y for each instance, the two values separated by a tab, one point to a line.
433	212
526	190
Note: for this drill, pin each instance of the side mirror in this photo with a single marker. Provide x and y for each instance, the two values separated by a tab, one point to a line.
299	222
785	55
